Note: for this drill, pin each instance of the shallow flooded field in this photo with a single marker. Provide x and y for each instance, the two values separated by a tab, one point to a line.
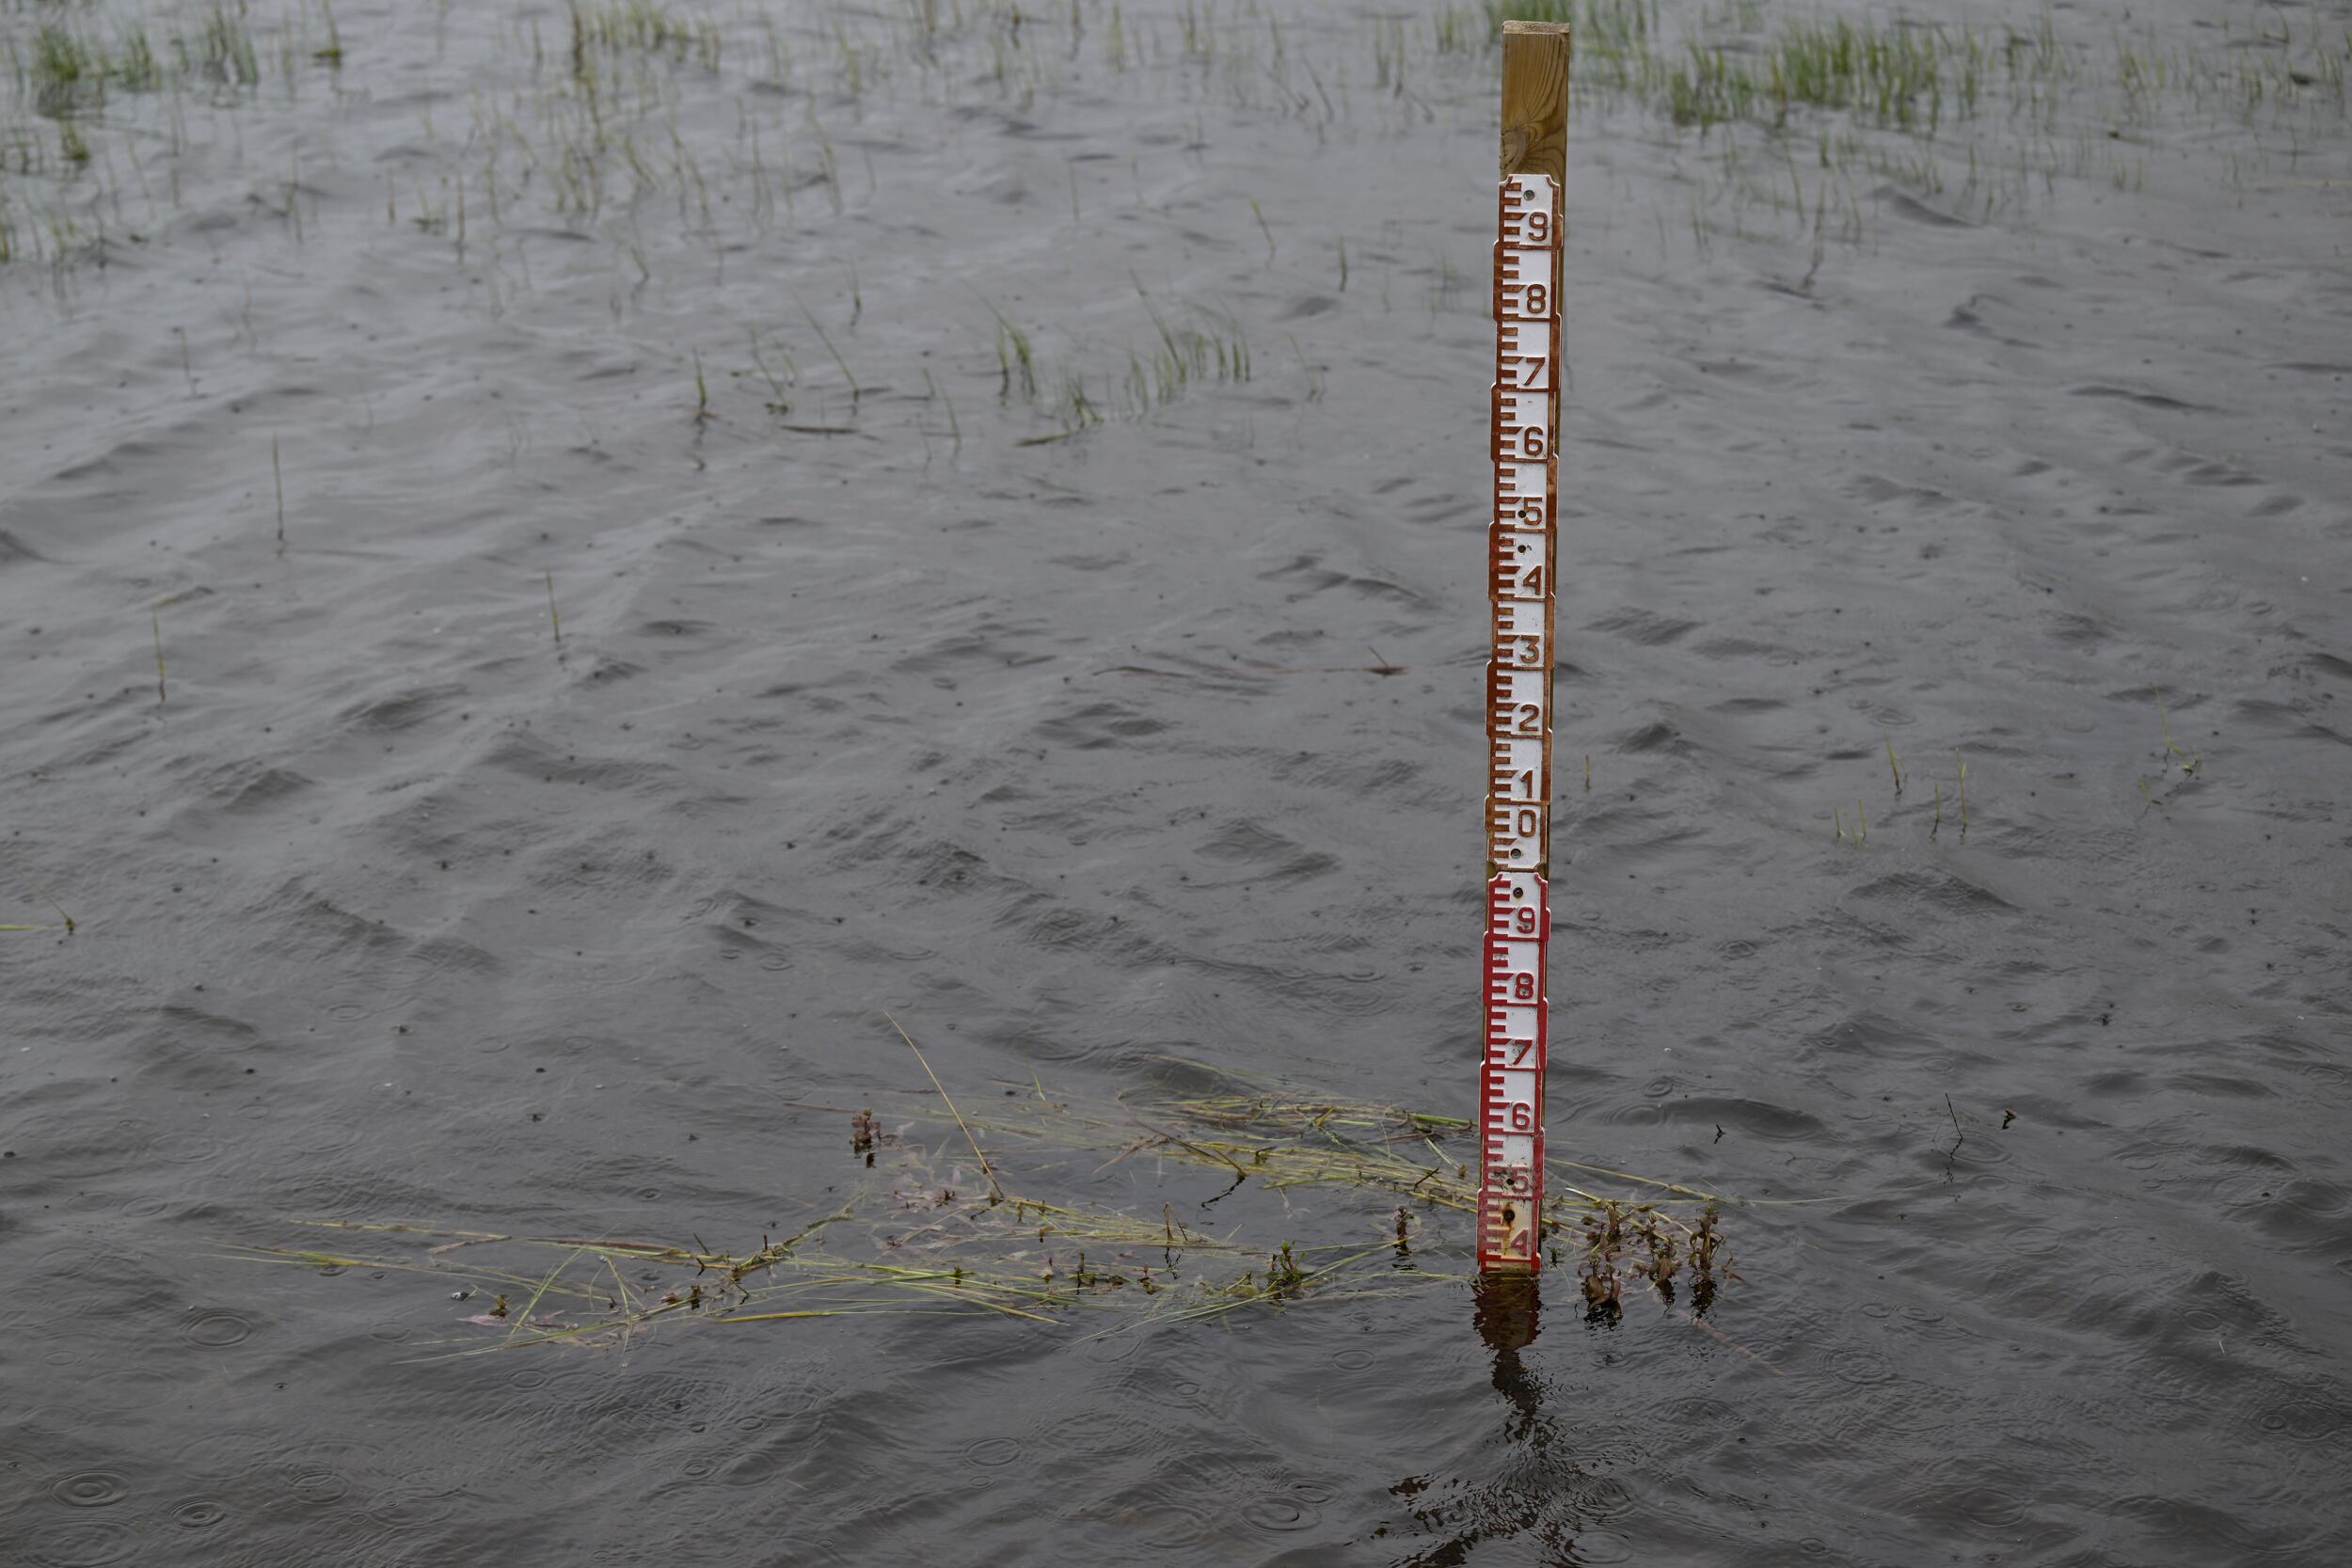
568	574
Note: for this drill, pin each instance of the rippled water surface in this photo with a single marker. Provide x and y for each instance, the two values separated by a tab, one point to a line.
1011	486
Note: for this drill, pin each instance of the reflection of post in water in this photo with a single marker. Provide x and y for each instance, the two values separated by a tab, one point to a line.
1527	1483
1507	1497
1506	1308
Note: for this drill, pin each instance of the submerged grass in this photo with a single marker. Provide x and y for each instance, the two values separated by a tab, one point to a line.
1027	1241
1015	360
42	893
1204	346
1191	346
645	27
70	65
839	363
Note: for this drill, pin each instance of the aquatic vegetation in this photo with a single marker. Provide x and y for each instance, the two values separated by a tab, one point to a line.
1014	357
1895	75
779	399
826	337
1071	410
2171	757
724	118
1003	1233
1191	346
331	52
1628	1245
1204	346
65	920
933	389
223	49
2173	752
1898	73
645	27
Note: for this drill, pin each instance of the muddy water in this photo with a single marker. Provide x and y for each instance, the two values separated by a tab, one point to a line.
2020	445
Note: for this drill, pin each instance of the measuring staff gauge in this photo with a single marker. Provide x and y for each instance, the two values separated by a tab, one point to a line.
1522	549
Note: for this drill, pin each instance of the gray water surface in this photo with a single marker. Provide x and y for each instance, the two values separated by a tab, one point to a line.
1043	711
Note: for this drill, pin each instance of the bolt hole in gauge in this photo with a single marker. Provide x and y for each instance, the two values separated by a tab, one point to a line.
1521	557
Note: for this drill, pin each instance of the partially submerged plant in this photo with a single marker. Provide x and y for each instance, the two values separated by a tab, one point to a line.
1014	361
1628	1246
2172	752
24	878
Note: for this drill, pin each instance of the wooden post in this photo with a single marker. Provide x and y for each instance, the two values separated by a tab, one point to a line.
1522	532
1535	99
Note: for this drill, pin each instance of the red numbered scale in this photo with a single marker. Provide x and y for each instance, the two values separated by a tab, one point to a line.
1521	535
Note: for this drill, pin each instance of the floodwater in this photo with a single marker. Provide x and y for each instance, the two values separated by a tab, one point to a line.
1019	674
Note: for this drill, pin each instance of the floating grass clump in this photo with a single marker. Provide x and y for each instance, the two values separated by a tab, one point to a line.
978	1212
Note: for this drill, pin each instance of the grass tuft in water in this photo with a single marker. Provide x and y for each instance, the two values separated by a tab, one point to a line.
224	50
1014	358
646	29
2173	752
330	53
